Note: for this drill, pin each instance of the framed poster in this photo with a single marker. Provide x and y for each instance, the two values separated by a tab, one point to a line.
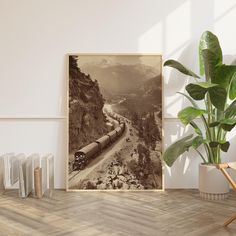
114	122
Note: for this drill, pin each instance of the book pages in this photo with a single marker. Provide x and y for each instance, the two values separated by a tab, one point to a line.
29	175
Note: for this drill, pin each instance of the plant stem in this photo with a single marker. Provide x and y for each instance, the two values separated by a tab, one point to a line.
210	154
204	160
208	136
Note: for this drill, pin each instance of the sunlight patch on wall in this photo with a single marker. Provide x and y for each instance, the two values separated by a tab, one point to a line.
178	28
224	17
151	40
221	8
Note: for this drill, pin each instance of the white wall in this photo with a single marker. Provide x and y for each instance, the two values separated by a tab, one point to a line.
36	35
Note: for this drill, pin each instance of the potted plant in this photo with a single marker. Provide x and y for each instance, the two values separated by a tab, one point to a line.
216	86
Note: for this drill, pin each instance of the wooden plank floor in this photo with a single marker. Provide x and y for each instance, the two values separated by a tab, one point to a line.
174	212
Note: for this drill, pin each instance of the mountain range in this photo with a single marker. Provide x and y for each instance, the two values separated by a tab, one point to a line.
119	78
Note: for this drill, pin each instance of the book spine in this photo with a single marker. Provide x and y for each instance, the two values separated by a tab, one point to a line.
38	182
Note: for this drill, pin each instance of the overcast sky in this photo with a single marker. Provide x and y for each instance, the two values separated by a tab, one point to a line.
149	60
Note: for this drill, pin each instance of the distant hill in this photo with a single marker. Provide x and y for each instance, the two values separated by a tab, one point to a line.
147	98
119	78
152	89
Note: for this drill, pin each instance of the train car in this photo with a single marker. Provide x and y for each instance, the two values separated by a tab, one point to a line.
103	142
122	126
115	123
109	126
119	131
114	116
112	135
80	162
83	156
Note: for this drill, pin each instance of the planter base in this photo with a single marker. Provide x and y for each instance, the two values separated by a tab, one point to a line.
212	183
214	196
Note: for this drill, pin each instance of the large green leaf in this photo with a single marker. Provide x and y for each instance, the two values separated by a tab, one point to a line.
218	96
175	64
198	91
197	141
209	41
231	110
210	64
213	144
228	124
232	90
224	75
214	124
189	113
207	85
224	145
176	149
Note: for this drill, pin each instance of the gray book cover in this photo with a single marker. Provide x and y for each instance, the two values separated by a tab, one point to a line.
35	160
22	174
1	175
28	176
7	169
44	166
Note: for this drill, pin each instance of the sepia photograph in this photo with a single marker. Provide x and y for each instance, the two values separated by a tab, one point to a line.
115	122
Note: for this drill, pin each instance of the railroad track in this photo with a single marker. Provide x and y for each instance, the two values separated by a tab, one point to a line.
84	156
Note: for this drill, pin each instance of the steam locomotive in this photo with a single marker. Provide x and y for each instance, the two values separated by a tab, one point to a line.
87	153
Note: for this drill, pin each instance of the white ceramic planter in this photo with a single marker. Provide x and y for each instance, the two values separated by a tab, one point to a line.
212	183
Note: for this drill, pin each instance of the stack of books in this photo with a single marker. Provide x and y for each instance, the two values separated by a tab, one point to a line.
32	175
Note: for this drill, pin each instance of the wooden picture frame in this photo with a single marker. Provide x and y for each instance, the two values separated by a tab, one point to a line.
114	122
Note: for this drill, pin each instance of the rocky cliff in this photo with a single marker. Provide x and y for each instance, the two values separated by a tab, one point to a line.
86	119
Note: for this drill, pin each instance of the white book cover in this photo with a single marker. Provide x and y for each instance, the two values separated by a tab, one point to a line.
21	181
28	176
22	174
14	177
7	172
51	172
44	166
1	174
47	165
7	181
